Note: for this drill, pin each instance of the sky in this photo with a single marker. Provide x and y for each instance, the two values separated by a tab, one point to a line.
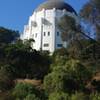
14	14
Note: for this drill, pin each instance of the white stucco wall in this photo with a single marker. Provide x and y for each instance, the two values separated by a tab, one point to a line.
45	21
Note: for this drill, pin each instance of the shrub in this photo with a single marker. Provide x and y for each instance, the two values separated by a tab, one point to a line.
5	78
79	96
22	90
95	96
59	96
68	78
31	97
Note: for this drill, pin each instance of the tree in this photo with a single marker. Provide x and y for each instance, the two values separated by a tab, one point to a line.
24	90
71	29
67	26
32	97
91	13
6	78
70	33
79	96
69	78
25	62
59	96
78	41
7	35
28	43
95	96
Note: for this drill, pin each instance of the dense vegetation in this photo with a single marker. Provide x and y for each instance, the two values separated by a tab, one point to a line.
71	73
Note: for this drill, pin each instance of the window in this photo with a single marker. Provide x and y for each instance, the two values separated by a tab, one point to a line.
57	33
48	33
33	35
59	45
36	35
44	34
46	45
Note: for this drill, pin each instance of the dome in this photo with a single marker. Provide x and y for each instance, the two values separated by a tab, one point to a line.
55	4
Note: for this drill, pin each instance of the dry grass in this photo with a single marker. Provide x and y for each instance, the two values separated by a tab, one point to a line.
36	83
97	77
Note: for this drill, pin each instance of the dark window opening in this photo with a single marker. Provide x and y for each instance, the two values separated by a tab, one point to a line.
33	35
59	45
57	33
46	45
36	35
44	34
48	33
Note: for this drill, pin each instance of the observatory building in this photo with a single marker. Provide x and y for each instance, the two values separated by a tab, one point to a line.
43	25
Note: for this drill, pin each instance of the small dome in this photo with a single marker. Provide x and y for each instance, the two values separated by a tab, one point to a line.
55	4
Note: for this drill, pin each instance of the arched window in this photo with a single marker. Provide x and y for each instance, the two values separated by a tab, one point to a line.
35	35
44	34
48	33
58	34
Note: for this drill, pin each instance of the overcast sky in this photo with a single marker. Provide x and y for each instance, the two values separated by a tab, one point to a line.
14	14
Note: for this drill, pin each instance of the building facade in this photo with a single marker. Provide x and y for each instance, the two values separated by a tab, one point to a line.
43	25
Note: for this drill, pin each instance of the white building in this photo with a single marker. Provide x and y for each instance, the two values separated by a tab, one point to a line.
43	28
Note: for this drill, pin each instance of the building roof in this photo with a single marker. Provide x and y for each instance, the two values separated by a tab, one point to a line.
55	4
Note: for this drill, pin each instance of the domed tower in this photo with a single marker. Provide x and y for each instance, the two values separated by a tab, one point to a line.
43	28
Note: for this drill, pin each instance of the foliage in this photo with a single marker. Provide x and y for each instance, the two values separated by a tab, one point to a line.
21	56
5	78
95	96
7	35
24	90
70	68
59	57
68	31
73	34
91	13
69	77
60	52
6	95
59	96
79	96
96	84
79	44
31	97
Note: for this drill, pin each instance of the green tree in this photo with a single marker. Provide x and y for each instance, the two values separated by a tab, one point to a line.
75	37
59	96
6	78
7	35
79	96
24	90
31	97
71	29
69	77
95	96
25	61
80	45
67	26
91	13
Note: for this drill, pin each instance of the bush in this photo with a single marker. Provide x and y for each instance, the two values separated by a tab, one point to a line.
5	78
68	78
7	95
22	90
96	84
79	96
95	96
26	62
59	96
31	97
